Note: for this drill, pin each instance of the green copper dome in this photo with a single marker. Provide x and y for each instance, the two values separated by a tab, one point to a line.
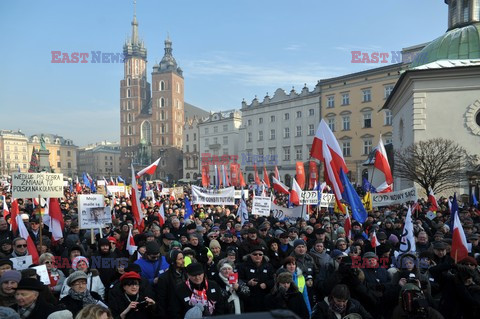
457	44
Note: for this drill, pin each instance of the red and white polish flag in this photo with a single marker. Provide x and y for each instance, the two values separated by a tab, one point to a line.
150	169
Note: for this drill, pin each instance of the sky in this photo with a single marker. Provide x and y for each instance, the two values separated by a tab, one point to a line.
229	50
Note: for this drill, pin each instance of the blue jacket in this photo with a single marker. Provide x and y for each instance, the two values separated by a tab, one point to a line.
151	270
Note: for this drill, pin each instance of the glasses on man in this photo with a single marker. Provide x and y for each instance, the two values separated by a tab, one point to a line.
21	246
257	254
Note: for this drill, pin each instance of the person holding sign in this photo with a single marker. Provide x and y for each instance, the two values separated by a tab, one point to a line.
233	289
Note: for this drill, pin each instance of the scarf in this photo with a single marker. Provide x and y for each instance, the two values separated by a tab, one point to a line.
26	312
333	306
85	297
233	294
200	297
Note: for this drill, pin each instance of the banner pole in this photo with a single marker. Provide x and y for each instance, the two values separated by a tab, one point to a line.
40	220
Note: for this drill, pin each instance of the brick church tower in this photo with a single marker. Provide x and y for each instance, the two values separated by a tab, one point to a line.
151	126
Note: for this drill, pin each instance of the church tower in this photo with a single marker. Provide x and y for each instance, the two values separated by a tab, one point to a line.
135	127
168	114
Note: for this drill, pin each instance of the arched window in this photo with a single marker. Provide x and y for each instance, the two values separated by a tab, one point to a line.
129	117
57	141
466	11
128	92
129	130
162	86
188	175
162	102
195	176
128	81
47	140
146	132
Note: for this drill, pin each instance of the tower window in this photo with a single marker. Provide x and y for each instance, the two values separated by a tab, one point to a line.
162	86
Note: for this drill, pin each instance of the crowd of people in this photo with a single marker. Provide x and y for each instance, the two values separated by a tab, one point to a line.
210	264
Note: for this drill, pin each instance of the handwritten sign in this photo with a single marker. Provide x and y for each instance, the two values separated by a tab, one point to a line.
261	206
92	212
291	214
309	198
32	185
224	196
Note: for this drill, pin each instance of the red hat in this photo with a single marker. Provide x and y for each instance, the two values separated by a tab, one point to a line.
130	275
111	238
468	260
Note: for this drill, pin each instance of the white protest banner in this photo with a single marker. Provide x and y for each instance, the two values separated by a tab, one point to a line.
292	214
223	196
42	272
238	193
309	198
393	198
328	200
116	189
101	182
33	185
165	191
21	263
261	206
92	212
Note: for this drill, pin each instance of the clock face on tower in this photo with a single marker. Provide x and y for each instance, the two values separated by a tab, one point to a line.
472	117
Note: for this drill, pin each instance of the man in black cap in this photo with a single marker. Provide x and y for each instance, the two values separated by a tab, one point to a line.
166	241
152	263
251	241
226	241
197	290
440	253
29	305
474	239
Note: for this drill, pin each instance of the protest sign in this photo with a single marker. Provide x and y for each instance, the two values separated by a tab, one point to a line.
328	200
92	211
21	263
224	196
261	206
177	192
291	214
116	189
309	198
33	185
238	193
42	272
165	191
393	198
101	182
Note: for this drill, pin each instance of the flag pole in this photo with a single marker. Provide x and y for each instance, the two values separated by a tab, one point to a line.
40	220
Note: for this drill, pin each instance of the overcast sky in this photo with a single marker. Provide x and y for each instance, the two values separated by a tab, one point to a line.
228	50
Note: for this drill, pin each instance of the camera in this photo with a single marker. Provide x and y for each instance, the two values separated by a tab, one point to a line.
142	304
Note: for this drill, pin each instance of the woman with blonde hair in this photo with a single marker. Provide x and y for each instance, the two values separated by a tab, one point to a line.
55	275
94	312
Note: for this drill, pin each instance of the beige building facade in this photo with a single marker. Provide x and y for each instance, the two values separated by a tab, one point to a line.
99	160
63	153
14	152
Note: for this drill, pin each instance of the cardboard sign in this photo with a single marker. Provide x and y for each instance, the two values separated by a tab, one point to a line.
92	212
393	198
33	185
21	263
328	200
116	189
261	206
177	191
223	196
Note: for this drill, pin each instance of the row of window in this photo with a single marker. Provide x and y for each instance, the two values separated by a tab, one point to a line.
286	116
15	149
286	133
366	121
366	96
163	85
59	165
36	139
215	141
194	137
215	129
69	153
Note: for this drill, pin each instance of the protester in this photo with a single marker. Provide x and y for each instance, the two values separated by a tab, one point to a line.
56	276
8	284
29	304
94	283
79	295
285	295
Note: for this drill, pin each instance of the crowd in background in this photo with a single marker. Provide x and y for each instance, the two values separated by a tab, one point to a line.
210	264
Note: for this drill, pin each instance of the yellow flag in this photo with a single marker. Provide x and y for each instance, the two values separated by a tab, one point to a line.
367	201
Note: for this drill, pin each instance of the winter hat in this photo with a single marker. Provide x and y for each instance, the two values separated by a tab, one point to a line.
284	277
78	259
30	284
224	264
76	275
195	312
153	248
62	314
340	230
466	260
8	313
393	239
175	244
298	242
195	269
214	243
338	253
11	275
130	275
103	242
